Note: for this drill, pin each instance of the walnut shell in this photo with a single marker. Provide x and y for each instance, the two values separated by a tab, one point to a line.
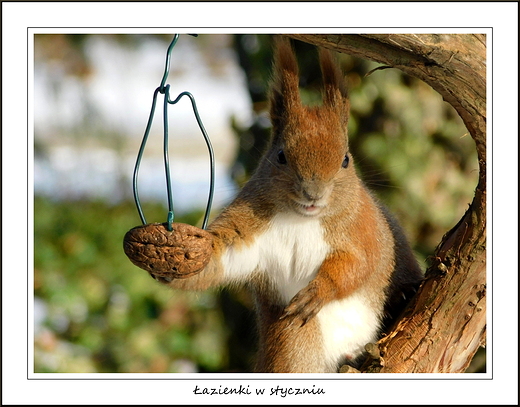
181	253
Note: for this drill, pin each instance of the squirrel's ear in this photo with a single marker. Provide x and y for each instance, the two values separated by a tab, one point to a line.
335	91
284	90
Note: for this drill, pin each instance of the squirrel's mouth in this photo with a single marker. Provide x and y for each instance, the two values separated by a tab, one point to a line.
309	209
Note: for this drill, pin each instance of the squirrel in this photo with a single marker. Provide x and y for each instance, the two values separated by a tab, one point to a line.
325	261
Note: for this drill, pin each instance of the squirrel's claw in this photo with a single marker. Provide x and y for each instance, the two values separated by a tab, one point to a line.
304	305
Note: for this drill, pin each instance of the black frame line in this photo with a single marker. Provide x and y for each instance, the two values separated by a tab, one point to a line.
246	377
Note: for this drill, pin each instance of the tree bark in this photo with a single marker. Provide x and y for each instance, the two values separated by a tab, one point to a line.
445	323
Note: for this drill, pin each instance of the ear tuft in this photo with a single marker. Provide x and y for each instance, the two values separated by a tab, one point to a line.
335	91
284	91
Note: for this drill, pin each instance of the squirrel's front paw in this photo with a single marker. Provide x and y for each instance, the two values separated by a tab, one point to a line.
168	255
305	304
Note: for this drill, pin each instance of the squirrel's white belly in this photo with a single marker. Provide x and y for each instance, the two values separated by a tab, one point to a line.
290	252
347	326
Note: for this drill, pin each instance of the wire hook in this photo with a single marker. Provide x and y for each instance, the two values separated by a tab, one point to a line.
167	65
165	89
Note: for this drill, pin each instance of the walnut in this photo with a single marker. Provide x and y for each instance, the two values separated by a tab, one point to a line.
181	253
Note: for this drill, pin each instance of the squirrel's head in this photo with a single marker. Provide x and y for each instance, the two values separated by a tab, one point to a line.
309	148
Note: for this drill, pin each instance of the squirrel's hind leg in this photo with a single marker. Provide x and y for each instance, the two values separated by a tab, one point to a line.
288	347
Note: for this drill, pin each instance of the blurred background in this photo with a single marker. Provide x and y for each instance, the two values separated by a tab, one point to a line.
96	312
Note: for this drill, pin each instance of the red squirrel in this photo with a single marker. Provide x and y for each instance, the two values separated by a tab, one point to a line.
325	261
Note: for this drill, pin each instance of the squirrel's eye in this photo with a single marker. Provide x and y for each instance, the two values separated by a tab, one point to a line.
345	161
281	157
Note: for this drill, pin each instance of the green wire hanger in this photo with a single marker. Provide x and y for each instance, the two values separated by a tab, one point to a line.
165	90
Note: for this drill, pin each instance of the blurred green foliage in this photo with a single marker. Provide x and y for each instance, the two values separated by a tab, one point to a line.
99	313
103	314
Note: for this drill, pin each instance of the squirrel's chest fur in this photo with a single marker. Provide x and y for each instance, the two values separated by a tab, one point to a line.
288	252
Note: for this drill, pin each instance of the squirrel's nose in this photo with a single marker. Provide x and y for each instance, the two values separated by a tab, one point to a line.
312	190
312	195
